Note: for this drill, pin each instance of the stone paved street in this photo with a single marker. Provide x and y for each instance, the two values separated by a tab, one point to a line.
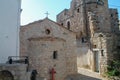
82	77
85	74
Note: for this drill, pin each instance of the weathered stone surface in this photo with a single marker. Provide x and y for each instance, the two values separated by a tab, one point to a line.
18	71
85	36
97	30
40	46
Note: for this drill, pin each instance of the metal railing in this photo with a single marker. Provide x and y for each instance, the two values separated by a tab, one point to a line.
18	59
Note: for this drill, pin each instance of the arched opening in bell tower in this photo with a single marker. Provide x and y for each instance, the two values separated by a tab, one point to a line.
68	25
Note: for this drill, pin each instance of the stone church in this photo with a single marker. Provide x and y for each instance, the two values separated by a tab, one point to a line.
85	36
49	45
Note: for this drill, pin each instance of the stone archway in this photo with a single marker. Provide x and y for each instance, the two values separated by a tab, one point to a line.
6	75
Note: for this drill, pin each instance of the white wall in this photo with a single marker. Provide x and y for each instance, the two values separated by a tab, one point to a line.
9	28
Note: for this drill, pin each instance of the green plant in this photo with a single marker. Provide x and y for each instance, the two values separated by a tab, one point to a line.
113	69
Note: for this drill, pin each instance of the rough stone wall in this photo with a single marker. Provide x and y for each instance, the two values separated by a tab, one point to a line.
84	56
78	16
88	19
41	57
19	71
102	14
115	50
75	17
109	40
114	20
92	23
100	45
39	46
61	17
105	44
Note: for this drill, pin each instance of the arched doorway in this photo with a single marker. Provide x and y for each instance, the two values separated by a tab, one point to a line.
6	75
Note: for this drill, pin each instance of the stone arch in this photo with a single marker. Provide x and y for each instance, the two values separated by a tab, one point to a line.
6	75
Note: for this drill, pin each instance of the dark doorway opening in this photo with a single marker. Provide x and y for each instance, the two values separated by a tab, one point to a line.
96	61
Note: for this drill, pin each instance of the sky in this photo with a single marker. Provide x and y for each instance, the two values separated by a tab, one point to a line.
33	10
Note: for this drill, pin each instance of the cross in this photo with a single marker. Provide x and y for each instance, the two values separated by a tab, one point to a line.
47	14
53	73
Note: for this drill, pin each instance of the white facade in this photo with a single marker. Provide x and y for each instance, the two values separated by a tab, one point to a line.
9	28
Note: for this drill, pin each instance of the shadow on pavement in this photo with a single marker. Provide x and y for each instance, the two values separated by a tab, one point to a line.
81	77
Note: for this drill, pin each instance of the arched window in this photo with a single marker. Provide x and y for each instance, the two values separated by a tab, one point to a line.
68	25
5	75
55	54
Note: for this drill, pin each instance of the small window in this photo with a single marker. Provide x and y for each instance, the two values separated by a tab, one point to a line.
116	13
68	25
102	52
62	24
94	46
118	47
47	31
78	10
111	15
82	39
100	2
55	54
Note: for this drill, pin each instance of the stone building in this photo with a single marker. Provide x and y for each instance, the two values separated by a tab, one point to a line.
49	45
84	36
97	32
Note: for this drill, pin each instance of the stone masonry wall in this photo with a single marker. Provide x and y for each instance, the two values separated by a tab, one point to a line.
105	43
41	58
114	20
19	71
40	46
